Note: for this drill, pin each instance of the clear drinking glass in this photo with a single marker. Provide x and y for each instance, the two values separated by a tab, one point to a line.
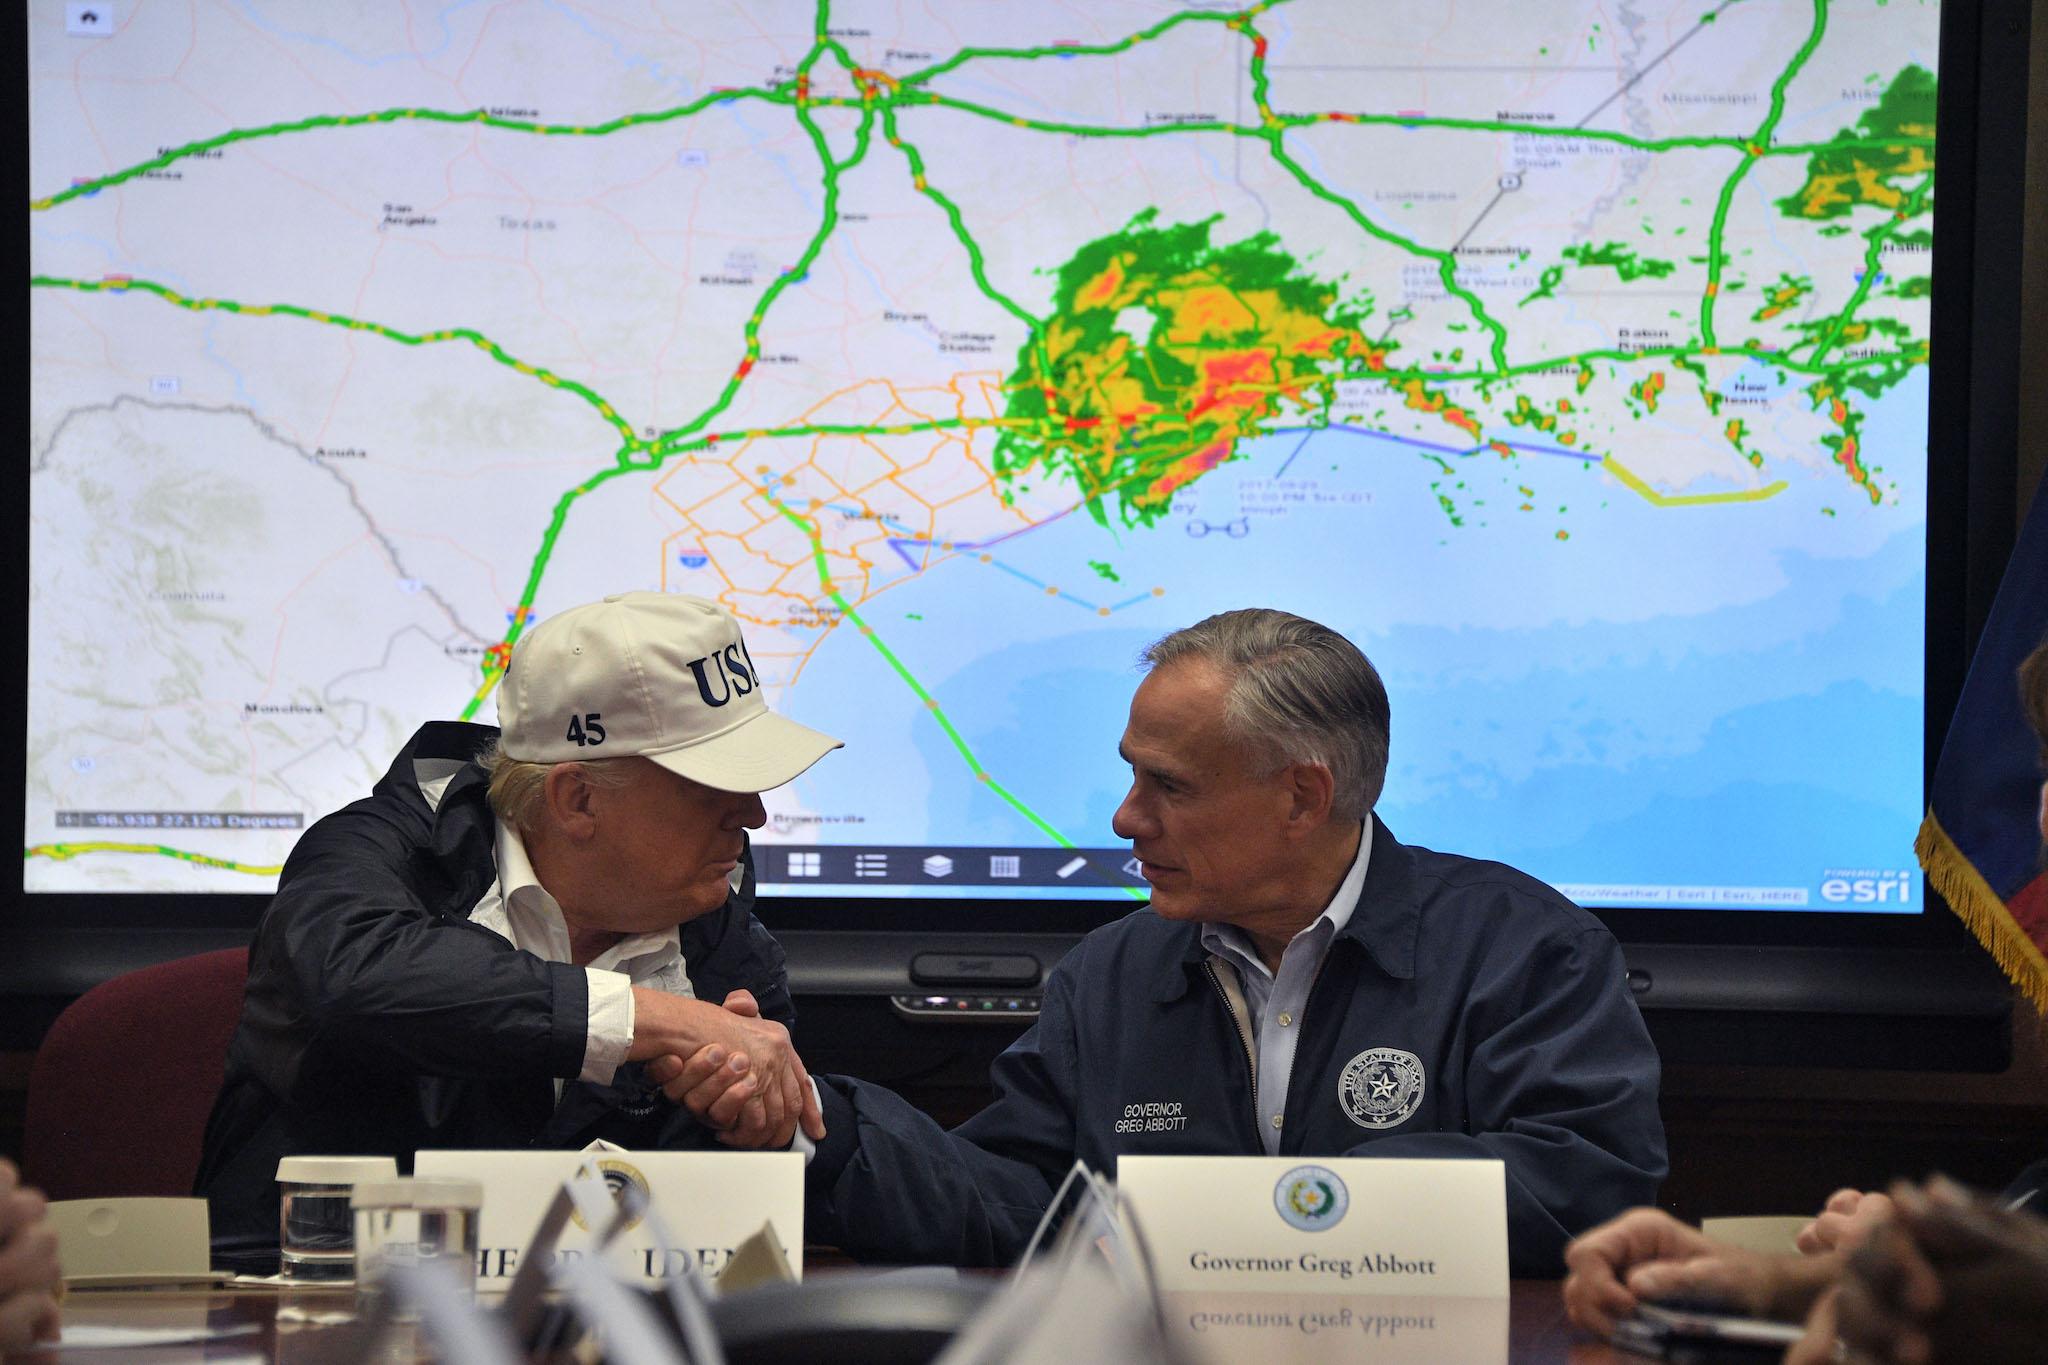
409	1220
315	1229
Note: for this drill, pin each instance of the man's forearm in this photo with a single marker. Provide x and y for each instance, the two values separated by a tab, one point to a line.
665	1024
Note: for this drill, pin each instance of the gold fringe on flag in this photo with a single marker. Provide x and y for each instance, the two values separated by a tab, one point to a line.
1978	906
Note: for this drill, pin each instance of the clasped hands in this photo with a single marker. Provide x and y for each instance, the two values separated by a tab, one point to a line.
1928	1274
737	1072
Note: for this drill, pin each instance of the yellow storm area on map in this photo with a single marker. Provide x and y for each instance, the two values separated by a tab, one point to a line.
1868	172
1164	352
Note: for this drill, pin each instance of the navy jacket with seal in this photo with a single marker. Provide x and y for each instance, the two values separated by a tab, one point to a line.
378	1020
1512	999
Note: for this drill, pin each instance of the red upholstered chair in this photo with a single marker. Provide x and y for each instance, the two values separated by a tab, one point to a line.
121	1087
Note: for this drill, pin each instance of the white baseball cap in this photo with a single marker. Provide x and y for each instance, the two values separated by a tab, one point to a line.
652	674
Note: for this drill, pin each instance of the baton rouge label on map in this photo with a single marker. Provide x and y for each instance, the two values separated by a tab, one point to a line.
1381	1087
1311	1198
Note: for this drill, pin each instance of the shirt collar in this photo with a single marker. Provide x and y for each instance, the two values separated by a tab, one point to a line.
1230	941
1384	918
534	917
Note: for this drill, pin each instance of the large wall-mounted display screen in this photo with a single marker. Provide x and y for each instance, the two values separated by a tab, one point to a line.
1571	358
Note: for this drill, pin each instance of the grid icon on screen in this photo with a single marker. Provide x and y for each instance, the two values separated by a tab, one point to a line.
804	865
1005	865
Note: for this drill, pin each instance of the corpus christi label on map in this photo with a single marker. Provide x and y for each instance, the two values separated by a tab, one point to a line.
1570	358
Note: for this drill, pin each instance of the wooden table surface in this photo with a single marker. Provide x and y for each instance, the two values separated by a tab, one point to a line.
289	1325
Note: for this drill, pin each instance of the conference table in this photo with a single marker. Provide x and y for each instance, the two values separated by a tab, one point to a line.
303	1327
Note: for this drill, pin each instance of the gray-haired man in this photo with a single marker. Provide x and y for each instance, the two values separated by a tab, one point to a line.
1303	984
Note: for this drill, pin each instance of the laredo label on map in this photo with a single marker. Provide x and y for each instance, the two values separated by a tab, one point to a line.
1570	359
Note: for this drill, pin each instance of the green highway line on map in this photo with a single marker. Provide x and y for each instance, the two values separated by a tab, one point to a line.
1876	238
66	851
880	100
120	284
1761	139
909	679
93	185
787	95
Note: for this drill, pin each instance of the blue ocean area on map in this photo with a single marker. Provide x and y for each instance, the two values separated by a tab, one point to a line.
1735	706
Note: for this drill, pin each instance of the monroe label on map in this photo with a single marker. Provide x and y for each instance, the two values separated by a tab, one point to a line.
180	819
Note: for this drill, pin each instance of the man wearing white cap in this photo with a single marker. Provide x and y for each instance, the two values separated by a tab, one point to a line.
483	952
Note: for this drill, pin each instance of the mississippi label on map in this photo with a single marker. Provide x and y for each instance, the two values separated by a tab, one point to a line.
1570	358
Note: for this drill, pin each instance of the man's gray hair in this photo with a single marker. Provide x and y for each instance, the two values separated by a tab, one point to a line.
518	787
1299	693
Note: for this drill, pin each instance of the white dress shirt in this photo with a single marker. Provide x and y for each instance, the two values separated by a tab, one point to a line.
519	909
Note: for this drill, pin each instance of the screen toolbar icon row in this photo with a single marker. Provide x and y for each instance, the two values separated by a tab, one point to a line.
785	863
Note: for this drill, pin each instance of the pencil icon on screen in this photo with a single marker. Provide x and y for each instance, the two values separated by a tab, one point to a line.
1070	867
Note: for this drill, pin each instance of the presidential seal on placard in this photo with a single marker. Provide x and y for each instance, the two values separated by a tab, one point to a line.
1311	1198
619	1176
1381	1087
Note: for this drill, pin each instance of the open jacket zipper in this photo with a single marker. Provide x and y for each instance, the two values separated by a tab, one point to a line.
1239	1012
1243	1025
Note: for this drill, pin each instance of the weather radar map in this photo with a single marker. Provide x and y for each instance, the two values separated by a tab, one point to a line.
1571	358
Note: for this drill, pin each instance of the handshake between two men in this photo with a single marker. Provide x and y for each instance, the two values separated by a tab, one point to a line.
521	933
736	1071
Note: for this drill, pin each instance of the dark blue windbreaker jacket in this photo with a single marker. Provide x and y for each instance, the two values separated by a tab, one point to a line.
378	1020
1512	999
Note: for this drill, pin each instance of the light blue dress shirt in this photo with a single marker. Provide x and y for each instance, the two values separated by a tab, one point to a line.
1273	1002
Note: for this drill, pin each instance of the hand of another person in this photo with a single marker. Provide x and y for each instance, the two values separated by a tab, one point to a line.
30	1280
1599	1262
1844	1221
1818	1345
726	1085
1953	1277
1646	1254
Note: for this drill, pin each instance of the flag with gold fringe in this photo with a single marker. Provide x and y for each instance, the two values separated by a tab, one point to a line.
1981	841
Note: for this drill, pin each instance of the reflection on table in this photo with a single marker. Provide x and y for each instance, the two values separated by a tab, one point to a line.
299	1327
1308	1327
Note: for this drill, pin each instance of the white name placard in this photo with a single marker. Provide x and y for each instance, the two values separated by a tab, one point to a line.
1417	1228
708	1204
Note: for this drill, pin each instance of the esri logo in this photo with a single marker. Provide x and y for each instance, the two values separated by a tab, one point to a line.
1867	886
